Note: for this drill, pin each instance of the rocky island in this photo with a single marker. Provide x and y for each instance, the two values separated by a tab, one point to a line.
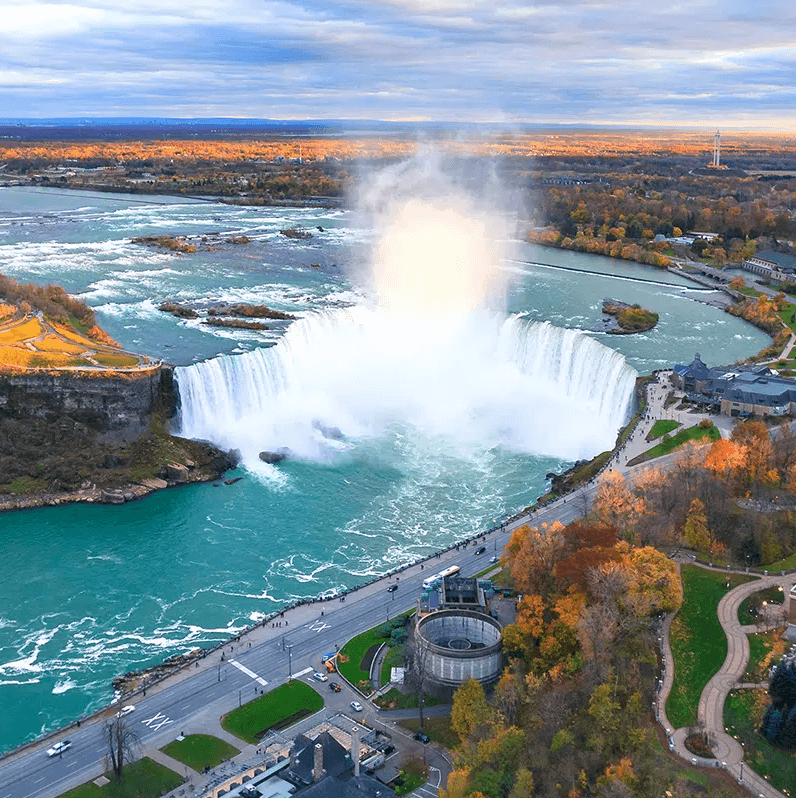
627	319
236	316
80	418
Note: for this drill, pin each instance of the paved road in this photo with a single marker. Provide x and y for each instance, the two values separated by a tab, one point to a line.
215	686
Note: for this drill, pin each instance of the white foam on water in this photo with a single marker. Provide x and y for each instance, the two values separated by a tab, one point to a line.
63	685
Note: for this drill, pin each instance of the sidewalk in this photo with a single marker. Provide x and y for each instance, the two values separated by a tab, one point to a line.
729	753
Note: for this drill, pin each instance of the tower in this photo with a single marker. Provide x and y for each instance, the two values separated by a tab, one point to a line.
716	150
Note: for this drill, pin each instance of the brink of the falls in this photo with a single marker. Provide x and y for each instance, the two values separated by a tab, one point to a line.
477	381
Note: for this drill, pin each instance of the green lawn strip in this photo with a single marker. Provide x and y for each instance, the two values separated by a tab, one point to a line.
760	646
743	712
785	314
200	751
782	565
749	291
772	595
349	660
668	445
438	729
489	569
395	699
143	779
661	427
277	709
698	642
393	659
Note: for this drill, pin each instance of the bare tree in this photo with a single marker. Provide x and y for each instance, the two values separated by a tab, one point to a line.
417	660
121	743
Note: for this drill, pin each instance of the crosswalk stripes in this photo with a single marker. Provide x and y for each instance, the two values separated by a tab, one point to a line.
250	674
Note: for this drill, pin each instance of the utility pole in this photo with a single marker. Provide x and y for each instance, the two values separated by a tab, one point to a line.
290	661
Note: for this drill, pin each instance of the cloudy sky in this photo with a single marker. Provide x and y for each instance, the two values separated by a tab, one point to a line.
705	62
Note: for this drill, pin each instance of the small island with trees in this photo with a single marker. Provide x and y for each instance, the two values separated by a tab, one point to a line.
628	319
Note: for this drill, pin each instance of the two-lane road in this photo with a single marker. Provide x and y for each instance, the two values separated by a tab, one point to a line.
216	686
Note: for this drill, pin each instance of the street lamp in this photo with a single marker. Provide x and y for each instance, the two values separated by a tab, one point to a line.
290	661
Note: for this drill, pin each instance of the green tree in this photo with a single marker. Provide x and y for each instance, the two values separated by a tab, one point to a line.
604	708
470	710
523	784
696	531
770	550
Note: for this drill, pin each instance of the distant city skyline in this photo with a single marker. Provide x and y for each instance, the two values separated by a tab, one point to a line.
713	64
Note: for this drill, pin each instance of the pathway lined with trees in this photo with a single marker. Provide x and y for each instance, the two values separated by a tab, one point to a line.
729	754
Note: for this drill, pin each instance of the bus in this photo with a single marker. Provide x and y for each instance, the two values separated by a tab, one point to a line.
433	580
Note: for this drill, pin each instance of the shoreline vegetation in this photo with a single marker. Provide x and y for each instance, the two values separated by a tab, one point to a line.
629	319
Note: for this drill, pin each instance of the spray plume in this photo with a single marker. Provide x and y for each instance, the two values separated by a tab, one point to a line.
433	355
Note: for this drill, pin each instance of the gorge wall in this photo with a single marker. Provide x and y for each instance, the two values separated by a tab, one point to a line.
114	403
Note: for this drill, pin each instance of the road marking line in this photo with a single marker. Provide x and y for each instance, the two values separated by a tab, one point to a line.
301	673
318	626
157	721
249	673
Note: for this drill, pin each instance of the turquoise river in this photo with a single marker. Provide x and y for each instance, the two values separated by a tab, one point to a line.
447	425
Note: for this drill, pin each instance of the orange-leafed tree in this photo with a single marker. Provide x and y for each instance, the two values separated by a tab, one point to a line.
616	504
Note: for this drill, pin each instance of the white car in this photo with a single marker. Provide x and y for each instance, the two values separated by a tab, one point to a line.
356	706
126	710
320	677
59	748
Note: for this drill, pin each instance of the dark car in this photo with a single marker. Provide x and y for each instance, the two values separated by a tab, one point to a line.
388	749
480	550
392	588
421	737
334	687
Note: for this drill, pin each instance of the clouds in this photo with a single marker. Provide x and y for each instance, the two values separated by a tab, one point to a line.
470	60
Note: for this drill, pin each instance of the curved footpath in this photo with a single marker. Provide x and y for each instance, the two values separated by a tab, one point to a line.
728	751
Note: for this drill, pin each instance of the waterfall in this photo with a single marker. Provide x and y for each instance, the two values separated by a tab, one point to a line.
480	380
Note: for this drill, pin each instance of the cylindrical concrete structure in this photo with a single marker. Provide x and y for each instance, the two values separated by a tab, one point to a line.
460	645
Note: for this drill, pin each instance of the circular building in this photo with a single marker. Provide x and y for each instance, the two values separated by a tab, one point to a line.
458	645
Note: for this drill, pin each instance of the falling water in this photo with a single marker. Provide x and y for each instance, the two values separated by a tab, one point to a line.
433	355
482	382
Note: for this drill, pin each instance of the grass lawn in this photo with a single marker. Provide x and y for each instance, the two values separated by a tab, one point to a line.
696	433
782	565
395	699
277	709
142	779
438	729
661	427
200	751
393	659
349	660
760	647
743	712
698	642
412	775
747	611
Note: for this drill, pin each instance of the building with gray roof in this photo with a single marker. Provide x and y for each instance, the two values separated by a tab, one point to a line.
779	267
737	390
